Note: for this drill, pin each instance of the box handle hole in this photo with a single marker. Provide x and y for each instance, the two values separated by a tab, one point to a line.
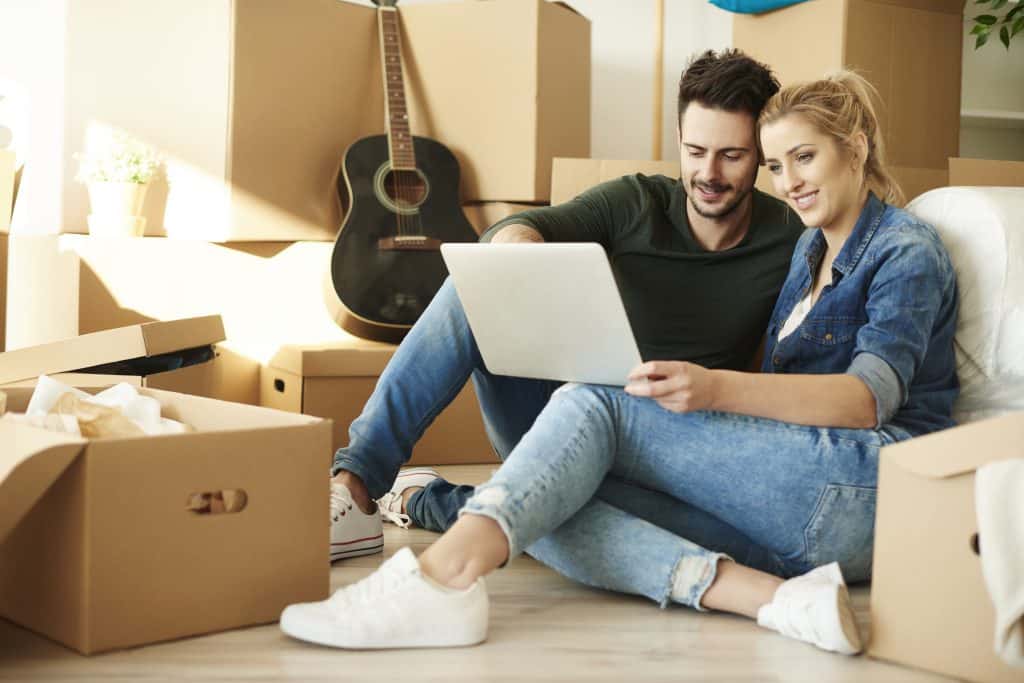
224	501
279	385
975	544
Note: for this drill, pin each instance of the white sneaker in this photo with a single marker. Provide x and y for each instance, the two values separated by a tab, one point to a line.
353	532
395	607
390	503
816	609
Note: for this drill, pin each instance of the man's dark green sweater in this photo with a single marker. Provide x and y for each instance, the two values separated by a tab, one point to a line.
683	302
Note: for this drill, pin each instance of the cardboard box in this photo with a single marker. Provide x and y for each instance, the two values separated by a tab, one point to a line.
222	89
210	378
973	172
929	605
504	84
910	50
98	550
483	215
7	161
335	381
572	176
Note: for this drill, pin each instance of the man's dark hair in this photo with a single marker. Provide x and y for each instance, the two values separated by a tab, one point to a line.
729	80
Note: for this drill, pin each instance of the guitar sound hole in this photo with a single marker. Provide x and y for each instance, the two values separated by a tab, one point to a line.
406	189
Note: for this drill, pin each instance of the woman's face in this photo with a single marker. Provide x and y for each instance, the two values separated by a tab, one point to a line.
820	180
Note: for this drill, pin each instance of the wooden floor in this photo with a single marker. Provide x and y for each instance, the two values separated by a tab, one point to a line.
543	628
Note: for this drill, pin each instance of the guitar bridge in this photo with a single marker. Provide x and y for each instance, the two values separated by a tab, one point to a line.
409	243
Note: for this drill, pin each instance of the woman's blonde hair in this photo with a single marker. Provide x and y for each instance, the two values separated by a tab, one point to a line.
840	105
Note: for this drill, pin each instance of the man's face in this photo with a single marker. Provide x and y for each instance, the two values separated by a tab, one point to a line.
718	158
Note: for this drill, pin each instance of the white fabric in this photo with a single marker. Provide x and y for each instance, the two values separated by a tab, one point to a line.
999	496
800	311
983	230
144	411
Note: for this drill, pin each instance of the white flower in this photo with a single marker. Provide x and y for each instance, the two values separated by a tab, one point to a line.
122	160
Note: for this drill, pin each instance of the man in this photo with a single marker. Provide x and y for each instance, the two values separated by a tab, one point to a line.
699	263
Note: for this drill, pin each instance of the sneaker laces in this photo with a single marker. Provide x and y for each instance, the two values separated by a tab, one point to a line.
341	501
369	590
390	506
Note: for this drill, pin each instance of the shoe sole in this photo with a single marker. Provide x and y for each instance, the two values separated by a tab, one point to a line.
297	631
847	623
357	548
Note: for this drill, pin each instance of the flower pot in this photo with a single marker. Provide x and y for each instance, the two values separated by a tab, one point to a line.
117	209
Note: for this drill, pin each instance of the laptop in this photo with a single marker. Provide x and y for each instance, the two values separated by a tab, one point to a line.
544	311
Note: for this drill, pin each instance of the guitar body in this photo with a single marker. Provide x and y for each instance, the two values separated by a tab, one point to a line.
386	265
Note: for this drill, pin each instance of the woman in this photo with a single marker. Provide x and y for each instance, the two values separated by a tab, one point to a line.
859	354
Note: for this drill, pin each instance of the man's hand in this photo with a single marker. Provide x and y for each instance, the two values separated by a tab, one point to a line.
516	232
676	385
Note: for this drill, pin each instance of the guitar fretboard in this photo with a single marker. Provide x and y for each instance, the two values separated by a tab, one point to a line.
399	138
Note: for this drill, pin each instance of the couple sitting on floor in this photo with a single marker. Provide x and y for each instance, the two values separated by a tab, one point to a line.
698	483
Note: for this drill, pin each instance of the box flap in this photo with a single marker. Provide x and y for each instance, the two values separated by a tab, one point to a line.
31	460
109	346
961	449
568	7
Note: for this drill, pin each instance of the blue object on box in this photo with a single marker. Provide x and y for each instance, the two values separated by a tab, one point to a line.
752	6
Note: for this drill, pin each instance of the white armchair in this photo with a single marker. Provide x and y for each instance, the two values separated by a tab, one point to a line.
983	229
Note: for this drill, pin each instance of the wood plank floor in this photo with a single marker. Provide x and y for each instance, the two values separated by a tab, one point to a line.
543	628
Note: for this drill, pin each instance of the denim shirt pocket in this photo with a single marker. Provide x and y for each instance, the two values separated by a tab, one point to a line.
830	331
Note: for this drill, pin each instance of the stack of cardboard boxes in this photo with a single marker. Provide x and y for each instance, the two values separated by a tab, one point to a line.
252	151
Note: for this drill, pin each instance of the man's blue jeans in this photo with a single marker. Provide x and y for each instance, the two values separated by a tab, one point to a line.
616	518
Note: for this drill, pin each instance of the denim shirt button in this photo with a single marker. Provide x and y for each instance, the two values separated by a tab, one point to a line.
776	360
828	336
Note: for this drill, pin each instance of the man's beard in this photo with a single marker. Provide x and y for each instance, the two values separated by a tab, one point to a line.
725	210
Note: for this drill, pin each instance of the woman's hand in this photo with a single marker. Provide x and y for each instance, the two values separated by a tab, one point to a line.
676	385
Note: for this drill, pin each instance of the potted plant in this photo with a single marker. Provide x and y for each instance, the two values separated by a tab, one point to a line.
117	173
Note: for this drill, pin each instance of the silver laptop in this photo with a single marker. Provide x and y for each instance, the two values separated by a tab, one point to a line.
545	311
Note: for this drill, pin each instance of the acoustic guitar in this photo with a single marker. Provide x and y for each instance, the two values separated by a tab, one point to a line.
404	203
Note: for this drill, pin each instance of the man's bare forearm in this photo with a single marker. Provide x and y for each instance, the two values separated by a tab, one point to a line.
516	232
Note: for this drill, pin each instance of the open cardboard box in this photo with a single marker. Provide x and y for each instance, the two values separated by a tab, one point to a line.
98	549
141	341
335	381
929	604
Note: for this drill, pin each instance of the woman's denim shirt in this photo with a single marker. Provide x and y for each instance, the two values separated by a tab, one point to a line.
888	318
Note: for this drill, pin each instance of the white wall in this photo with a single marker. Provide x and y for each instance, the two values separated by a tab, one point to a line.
993	81
32	81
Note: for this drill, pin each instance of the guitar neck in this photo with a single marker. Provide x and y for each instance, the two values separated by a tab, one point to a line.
396	112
